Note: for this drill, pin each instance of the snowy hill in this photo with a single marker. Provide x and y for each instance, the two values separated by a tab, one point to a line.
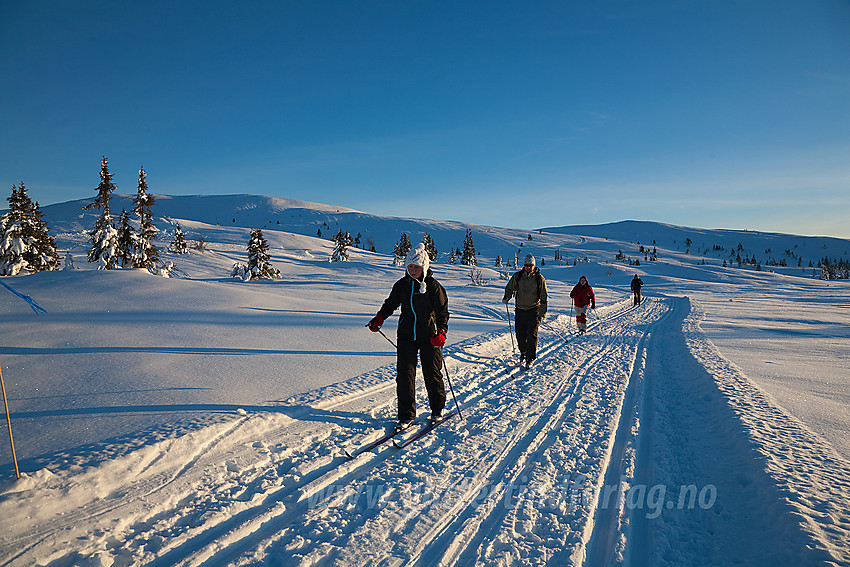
765	247
205	214
208	215
201	420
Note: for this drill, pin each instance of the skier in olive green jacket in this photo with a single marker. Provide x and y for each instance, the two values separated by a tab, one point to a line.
529	287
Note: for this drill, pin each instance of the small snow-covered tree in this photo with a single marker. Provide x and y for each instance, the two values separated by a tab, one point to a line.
145	254
104	237
468	258
126	239
402	247
430	248
69	261
477	277
179	245
343	242
258	266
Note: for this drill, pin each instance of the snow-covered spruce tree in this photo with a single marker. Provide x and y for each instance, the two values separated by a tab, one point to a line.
145	254
25	243
402	247
126	239
430	248
12	240
104	237
343	241
468	256
42	254
258	266
258	260
178	245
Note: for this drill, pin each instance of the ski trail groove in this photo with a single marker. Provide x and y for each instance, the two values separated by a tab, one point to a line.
268	520
467	533
600	544
407	524
514	460
252	525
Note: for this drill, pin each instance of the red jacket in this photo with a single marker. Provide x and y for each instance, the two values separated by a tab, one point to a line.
583	295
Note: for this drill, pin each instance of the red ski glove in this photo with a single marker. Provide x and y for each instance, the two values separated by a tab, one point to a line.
376	323
439	340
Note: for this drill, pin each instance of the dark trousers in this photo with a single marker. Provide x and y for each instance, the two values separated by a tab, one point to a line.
526	333
637	296
432	364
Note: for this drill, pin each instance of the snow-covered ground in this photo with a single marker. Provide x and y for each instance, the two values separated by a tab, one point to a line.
202	420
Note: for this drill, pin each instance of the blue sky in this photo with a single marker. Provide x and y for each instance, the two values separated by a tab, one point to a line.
714	114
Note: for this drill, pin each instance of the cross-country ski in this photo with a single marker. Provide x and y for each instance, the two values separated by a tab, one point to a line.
430	426
351	454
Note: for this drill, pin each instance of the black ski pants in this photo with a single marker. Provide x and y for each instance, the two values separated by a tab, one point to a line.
432	365
526	333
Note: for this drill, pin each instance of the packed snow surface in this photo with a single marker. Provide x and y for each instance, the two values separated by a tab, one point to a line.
204	421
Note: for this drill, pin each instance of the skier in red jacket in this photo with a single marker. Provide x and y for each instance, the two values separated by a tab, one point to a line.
583	298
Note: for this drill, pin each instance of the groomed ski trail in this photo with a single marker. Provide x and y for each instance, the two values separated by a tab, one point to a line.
534	473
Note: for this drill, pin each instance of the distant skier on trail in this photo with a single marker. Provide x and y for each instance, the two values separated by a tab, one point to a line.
422	328
532	301
583	298
637	283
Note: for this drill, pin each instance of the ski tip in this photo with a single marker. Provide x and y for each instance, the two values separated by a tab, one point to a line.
396	444
347	454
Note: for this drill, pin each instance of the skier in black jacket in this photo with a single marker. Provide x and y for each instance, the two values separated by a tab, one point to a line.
637	283
422	328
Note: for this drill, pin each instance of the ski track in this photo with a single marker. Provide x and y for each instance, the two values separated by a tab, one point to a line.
525	478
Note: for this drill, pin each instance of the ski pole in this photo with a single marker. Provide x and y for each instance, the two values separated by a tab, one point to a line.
432	323
386	337
449	380
571	318
9	423
513	345
554	330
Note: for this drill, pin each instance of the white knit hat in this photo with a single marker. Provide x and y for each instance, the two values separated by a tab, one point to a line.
419	257
529	259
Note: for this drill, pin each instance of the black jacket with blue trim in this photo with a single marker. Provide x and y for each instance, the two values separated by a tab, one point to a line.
418	309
